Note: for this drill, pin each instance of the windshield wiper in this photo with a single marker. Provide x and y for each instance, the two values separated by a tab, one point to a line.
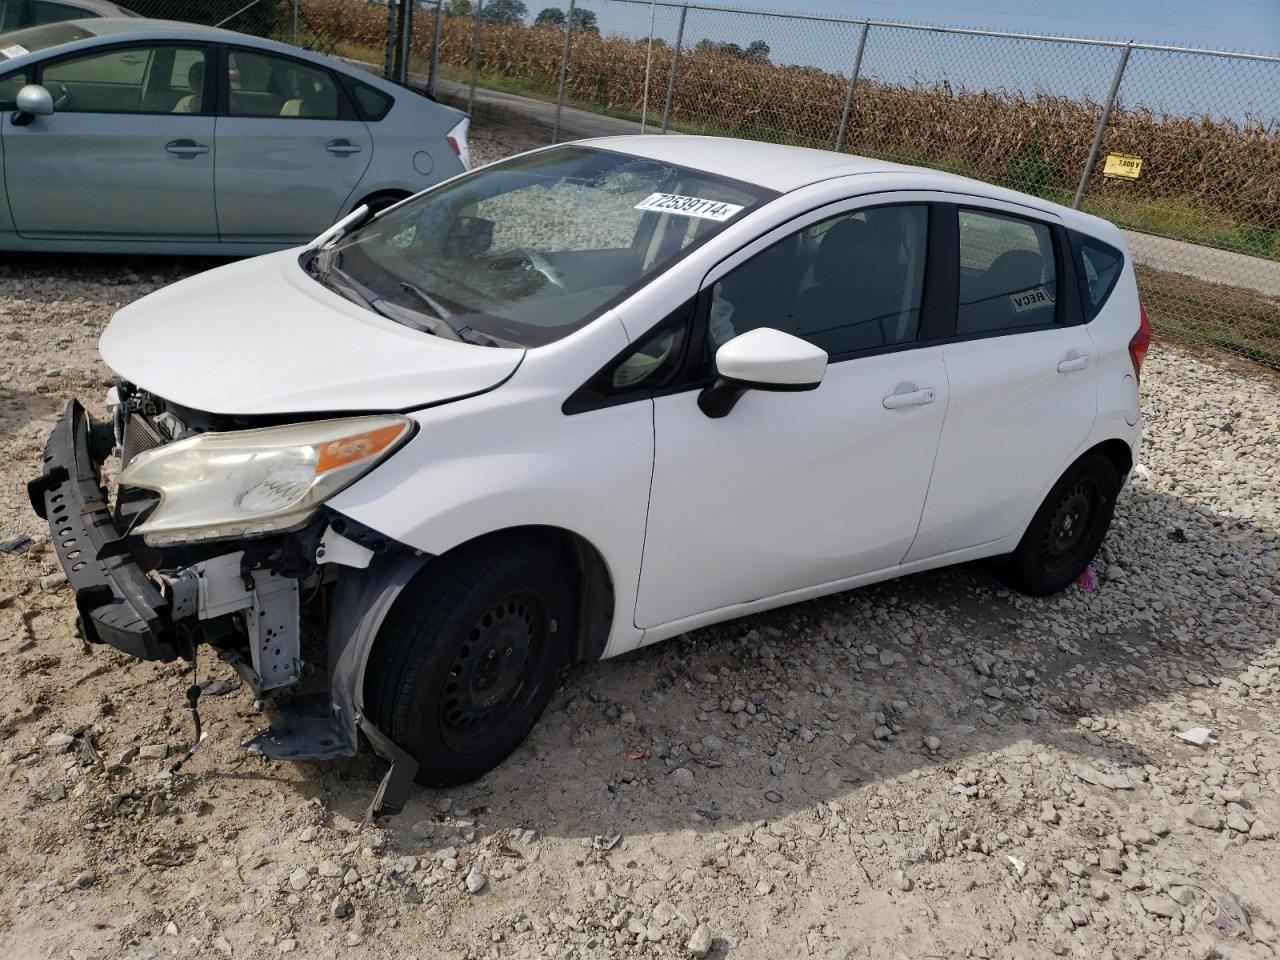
463	332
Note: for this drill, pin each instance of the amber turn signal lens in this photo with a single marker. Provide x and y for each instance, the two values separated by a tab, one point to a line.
360	446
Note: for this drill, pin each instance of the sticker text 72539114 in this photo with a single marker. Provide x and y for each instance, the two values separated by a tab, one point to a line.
688	206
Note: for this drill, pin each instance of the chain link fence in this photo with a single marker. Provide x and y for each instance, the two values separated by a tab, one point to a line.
1181	147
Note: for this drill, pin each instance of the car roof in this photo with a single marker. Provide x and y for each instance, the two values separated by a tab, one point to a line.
784	168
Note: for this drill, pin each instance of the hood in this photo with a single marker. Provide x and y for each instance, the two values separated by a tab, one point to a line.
261	337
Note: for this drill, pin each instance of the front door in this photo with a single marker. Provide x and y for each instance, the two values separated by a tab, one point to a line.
794	490
127	154
290	151
1023	394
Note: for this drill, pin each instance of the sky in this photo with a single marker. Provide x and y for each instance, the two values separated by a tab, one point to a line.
1249	25
1173	83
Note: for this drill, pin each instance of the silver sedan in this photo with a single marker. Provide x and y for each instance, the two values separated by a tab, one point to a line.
133	135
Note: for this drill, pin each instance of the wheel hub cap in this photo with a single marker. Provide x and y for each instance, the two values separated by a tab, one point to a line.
488	670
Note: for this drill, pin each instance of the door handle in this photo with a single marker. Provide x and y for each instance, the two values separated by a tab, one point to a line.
342	148
1075	360
186	148
909	395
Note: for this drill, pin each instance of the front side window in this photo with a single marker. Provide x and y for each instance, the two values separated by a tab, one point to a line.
9	87
262	85
852	282
125	80
1008	280
527	251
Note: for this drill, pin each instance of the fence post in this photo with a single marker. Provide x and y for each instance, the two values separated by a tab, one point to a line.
295	22
564	69
853	80
675	62
1102	125
406	41
476	11
391	40
435	50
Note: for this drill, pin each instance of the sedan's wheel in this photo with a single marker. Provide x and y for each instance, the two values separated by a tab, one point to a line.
1068	528
468	660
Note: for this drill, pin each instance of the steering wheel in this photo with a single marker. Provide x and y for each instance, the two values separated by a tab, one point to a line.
61	95
527	261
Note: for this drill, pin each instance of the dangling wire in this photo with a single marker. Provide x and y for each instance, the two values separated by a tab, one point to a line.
648	64
193	698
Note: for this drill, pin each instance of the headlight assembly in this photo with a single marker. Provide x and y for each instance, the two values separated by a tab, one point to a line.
249	482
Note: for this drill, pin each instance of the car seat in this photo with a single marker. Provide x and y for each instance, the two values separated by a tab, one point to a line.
191	103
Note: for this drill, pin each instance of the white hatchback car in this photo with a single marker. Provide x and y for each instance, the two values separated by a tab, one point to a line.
585	399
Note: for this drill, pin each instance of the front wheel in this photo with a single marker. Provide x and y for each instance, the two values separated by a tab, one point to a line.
1067	530
468	660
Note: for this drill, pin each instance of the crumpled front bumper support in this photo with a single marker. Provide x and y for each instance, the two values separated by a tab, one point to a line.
118	604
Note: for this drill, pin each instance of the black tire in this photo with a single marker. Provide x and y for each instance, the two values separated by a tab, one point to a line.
469	657
1067	530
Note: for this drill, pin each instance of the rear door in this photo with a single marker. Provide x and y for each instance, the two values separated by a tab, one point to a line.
115	159
290	148
1020	367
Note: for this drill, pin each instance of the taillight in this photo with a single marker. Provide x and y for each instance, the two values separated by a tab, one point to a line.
1141	341
457	138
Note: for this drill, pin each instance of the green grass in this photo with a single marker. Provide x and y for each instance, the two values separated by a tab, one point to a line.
1239	321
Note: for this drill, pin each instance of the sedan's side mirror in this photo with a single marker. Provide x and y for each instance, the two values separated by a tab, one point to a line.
32	101
761	359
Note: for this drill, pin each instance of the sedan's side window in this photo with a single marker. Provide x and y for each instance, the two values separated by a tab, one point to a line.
44	11
852	282
127	80
262	85
1008	279
9	87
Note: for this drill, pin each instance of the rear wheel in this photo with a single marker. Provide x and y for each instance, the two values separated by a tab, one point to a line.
1067	530
467	662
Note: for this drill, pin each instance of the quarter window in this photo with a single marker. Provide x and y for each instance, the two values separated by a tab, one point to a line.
262	85
1007	275
852	282
1099	265
124	80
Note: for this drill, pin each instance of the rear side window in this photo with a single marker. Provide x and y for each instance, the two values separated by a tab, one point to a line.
264	85
1008	280
370	104
1099	266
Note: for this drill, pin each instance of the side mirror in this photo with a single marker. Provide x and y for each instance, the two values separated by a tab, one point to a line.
761	359
32	101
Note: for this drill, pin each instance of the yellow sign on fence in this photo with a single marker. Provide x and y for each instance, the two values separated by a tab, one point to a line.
1122	165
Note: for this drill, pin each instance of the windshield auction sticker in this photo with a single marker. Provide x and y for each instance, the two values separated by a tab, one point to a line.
17	50
688	206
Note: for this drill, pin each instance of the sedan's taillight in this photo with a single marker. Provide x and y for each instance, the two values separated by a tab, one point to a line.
457	138
1141	341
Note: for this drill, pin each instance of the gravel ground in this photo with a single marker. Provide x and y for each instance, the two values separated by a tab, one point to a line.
928	768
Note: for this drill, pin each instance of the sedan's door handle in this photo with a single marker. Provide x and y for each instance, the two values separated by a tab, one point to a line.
342	147
909	395
186	148
1075	360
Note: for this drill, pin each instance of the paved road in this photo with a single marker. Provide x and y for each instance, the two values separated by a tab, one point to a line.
1175	256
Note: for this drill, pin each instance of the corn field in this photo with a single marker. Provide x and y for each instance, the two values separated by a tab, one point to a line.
1222	168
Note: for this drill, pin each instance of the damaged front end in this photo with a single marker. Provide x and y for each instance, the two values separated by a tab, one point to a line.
218	535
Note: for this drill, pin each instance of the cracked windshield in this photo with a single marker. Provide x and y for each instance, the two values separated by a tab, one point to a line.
525	252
